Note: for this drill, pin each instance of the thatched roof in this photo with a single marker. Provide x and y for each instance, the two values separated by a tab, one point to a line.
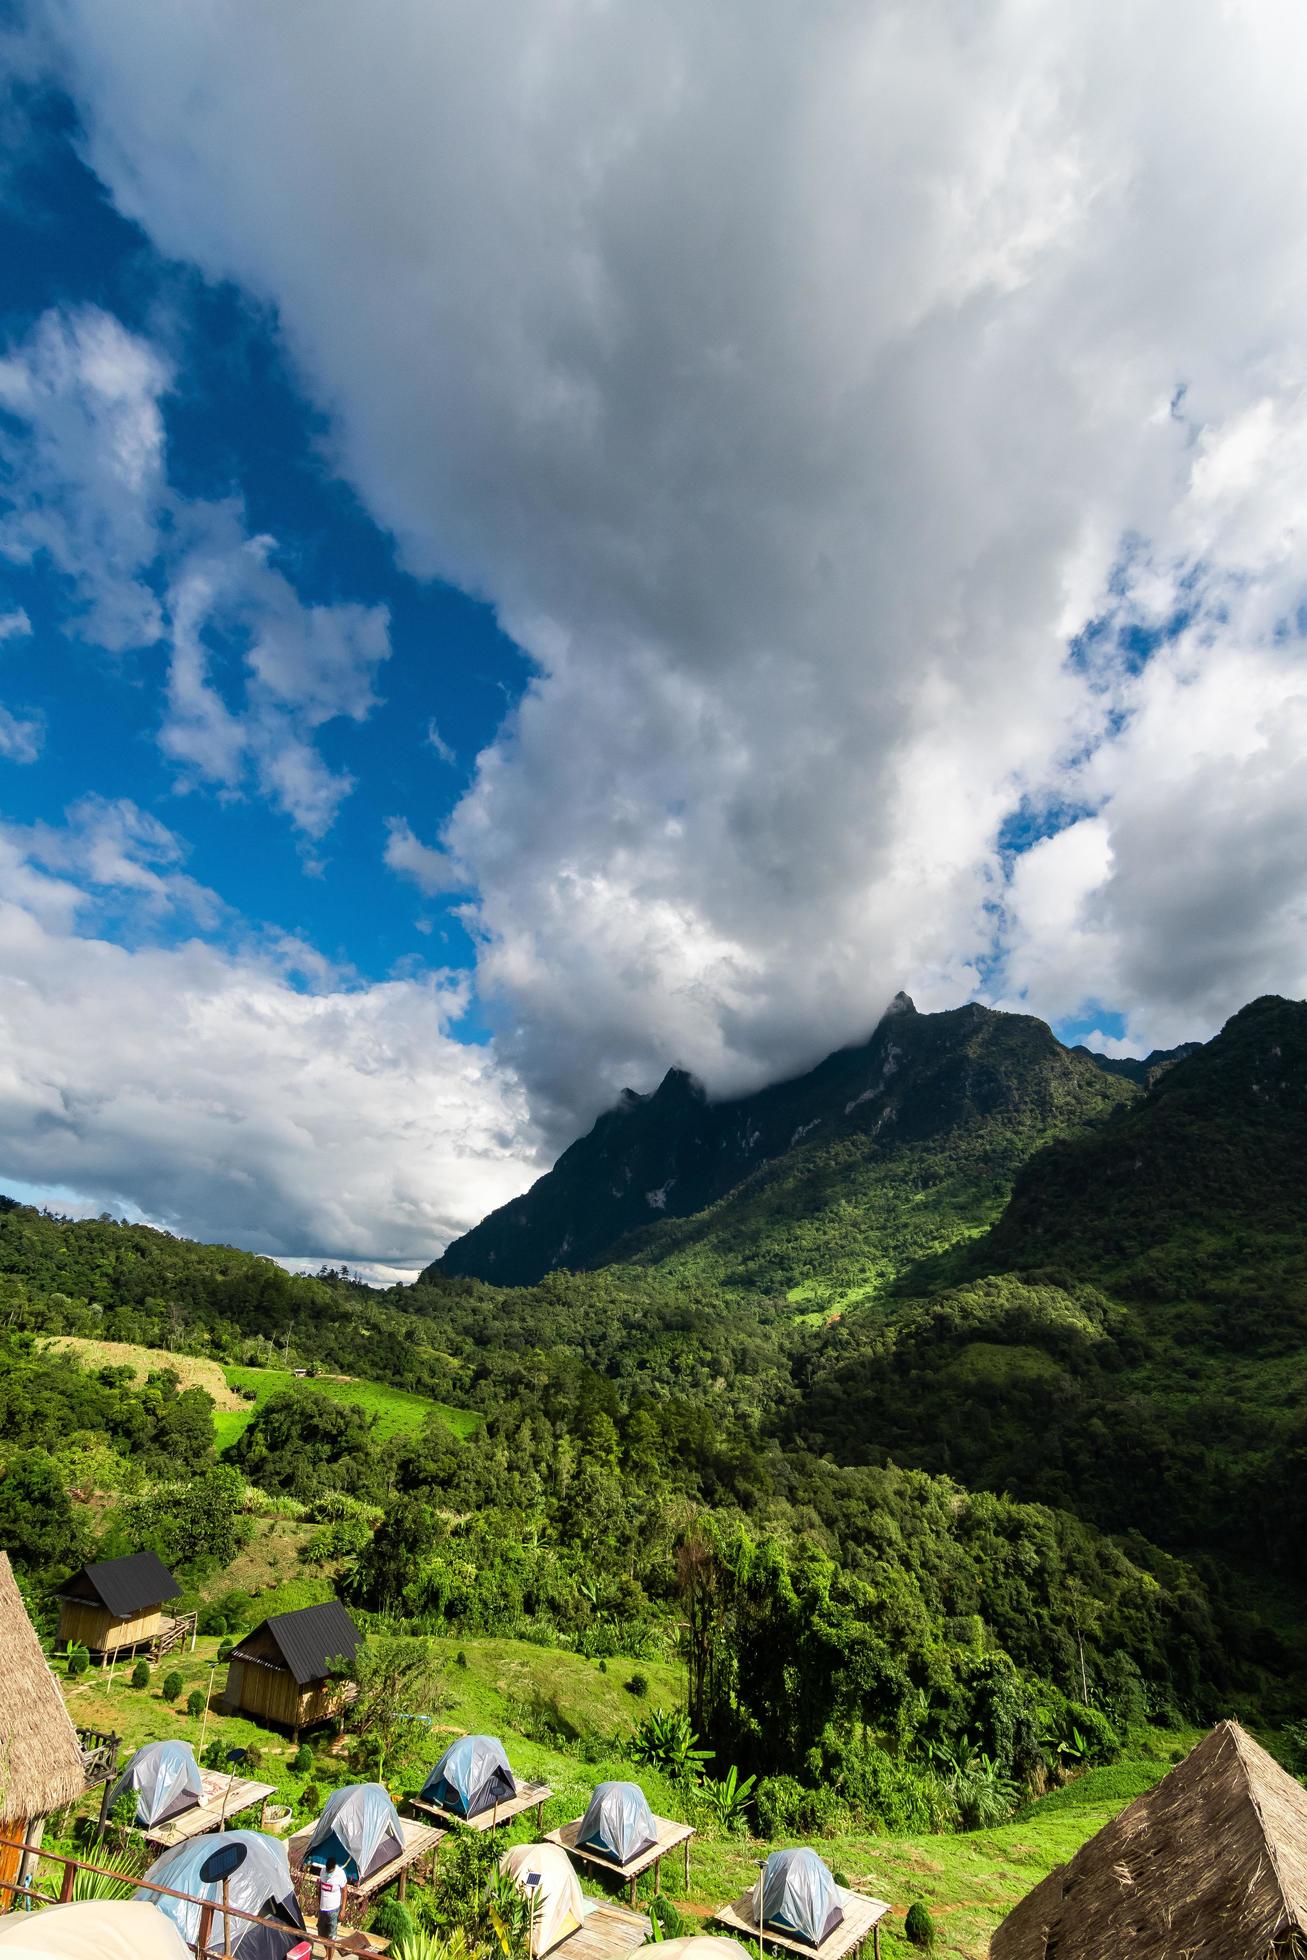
40	1757
1210	1863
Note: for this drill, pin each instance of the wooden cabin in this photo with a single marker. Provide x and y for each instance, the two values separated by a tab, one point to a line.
282	1672
117	1605
1211	1860
40	1756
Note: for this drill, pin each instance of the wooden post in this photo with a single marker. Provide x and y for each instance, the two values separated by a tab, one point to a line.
206	1929
104	1802
66	1889
402	1887
875	1940
687	1866
658	1876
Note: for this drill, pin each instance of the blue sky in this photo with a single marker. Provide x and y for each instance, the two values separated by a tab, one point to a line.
541	544
236	423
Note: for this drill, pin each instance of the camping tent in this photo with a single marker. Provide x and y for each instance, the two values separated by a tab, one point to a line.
558	1907
619	1823
96	1929
799	1896
472	1776
360	1829
259	1882
165	1778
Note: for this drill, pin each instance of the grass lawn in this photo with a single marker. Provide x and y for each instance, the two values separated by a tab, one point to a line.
562	1719
397	1410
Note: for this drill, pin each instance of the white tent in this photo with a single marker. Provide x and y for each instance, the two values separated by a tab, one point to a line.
98	1929
703	1946
558	1905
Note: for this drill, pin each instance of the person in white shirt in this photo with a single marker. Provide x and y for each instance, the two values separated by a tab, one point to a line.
331	1897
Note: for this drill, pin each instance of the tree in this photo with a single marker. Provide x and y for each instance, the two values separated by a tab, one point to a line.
38	1527
398	1681
196	1526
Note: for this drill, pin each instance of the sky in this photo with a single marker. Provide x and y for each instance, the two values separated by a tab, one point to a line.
542	543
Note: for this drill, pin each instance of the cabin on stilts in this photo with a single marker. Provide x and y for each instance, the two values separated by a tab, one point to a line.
117	1606
40	1756
1211	1860
287	1671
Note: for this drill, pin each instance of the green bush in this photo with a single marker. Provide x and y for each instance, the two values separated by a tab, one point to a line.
638	1685
392	1920
195	1702
311	1798
786	1809
460	1658
664	1911
172	1685
141	1675
78	1661
920	1927
1098	1739
302	1760
224	1649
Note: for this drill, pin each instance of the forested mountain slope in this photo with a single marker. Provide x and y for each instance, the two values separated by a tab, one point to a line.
828	1183
1130	1340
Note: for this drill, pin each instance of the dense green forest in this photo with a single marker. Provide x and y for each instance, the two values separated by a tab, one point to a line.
1040	1475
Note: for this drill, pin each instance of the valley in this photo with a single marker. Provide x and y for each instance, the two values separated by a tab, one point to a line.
945	1462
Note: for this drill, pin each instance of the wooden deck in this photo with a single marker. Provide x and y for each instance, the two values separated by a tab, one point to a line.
530	1796
862	1915
670	1834
220	1803
420	1841
606	1933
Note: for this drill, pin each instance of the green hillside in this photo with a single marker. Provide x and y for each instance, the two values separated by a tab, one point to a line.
396	1411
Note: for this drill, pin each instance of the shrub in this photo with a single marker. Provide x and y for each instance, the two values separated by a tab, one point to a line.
664	1740
172	1685
670	1920
392	1920
1092	1734
141	1675
460	1658
195	1702
920	1927
311	1797
603	1665
78	1661
638	1685
786	1809
727	1799
225	1649
302	1760
253	1757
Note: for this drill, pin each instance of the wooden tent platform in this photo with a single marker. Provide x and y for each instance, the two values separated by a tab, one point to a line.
420	1841
530	1796
861	1916
224	1798
670	1834
606	1933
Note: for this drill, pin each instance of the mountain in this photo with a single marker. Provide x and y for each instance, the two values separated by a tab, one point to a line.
885	1150
1129	1340
1143	1071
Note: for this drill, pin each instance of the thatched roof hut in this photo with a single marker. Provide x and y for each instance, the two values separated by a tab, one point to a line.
1211	1861
40	1756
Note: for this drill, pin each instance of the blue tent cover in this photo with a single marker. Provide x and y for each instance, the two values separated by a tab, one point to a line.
799	1896
359	1828
472	1776
166	1780
619	1823
260	1883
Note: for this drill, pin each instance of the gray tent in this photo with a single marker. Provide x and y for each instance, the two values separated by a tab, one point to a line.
360	1829
472	1776
165	1778
619	1823
799	1897
258	1880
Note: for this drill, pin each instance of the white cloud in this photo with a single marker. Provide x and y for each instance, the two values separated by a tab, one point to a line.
435	740
85	484
14	625
207	1091
432	871
793	381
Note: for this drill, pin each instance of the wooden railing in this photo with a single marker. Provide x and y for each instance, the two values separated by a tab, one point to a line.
173	1635
99	1755
212	1941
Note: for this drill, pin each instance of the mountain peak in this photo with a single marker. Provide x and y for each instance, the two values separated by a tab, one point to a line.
901	1004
